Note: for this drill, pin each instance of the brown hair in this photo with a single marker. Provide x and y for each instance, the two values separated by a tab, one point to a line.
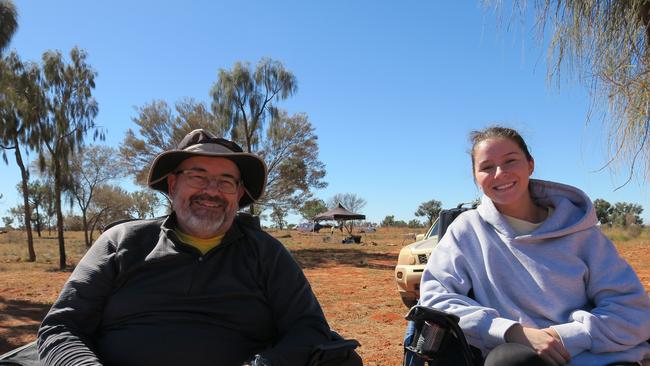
476	137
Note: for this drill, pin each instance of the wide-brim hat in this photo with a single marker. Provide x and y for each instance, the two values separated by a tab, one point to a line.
203	143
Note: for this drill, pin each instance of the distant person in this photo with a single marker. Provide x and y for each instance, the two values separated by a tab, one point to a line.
202	286
531	276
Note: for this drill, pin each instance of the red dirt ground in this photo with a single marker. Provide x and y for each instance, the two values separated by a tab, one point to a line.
354	284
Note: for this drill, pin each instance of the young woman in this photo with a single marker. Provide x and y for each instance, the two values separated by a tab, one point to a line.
532	278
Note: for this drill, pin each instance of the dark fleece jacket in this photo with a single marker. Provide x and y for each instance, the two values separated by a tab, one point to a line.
142	297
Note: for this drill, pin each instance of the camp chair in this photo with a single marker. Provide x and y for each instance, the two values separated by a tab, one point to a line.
337	352
429	325
26	355
437	340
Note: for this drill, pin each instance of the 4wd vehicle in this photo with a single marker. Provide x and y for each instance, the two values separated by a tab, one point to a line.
413	257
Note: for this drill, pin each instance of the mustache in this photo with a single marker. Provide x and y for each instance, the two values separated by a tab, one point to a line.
207	197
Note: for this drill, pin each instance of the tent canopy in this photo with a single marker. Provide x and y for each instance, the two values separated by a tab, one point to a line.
339	213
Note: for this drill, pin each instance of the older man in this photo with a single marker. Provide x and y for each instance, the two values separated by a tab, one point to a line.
203	286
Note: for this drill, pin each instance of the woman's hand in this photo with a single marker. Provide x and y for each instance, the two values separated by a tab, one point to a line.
546	342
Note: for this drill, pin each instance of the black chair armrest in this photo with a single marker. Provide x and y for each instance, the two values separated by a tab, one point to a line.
337	352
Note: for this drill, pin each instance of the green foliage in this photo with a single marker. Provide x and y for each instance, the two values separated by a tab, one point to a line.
245	98
388	221
111	203
430	210
22	107
8	222
40	196
17	213
244	110
621	214
71	111
278	215
414	224
145	204
290	151
627	214
311	208
89	168
603	211
161	129
8	23
604	44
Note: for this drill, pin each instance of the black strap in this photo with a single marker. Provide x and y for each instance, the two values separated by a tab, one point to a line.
434	331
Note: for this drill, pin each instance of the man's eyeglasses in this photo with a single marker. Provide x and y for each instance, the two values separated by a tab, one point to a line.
200	180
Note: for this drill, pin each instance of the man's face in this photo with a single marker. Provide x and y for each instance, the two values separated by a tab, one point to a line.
208	211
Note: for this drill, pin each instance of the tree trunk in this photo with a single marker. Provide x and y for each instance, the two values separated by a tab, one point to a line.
38	221
59	213
85	223
28	211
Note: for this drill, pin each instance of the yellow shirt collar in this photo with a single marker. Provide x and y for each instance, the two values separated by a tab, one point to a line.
203	245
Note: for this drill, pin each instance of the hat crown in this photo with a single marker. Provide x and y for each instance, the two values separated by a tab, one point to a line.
201	136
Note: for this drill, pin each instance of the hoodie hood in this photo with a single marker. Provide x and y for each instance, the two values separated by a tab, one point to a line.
573	211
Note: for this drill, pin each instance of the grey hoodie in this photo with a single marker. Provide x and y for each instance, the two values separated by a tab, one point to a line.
565	274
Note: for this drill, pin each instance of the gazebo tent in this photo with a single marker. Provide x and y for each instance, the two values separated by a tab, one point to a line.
339	213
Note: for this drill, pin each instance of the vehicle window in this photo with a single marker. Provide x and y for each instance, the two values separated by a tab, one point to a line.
433	230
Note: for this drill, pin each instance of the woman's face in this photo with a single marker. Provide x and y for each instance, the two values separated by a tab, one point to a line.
501	171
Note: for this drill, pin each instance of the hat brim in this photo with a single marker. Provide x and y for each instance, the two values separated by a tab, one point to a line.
251	168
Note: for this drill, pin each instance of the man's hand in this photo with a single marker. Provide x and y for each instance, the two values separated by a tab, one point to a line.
546	342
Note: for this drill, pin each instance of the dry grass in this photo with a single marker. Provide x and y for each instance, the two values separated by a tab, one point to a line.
353	282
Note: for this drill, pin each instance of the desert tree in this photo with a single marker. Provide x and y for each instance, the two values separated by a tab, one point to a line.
110	203
38	201
388	221
144	204
17	213
290	151
244	100
8	23
430	210
22	106
71	112
312	208
45	187
278	215
626	214
8	221
603	211
288	144
350	201
161	129
89	168
604	44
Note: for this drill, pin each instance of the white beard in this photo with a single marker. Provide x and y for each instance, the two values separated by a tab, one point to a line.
203	223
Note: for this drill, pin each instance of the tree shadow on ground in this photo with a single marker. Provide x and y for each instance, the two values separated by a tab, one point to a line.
19	320
326	257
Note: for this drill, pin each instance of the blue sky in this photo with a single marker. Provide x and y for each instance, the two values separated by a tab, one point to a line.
396	85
